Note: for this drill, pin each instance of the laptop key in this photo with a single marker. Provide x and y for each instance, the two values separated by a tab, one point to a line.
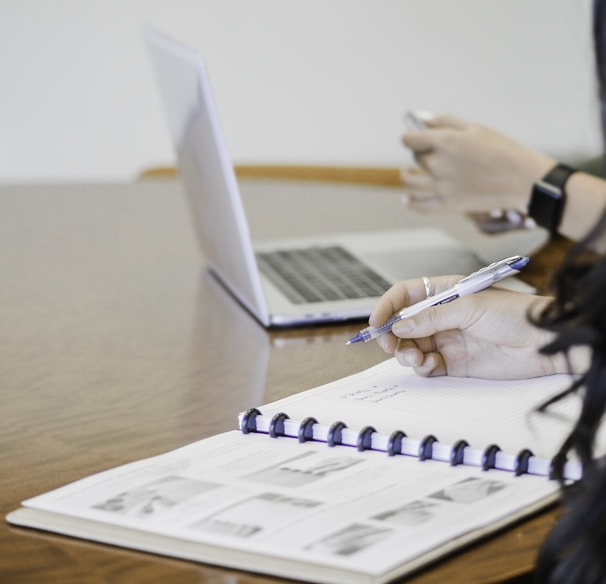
319	274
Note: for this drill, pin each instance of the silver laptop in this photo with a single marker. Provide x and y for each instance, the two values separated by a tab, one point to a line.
285	283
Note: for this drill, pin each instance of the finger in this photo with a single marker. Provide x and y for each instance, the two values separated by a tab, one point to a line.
408	353
391	302
420	191
447	121
406	293
433	366
419	141
397	297
388	342
444	317
426	204
409	357
426	161
417	184
412	353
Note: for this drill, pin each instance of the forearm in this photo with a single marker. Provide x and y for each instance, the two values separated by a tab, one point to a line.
585	195
585	204
469	167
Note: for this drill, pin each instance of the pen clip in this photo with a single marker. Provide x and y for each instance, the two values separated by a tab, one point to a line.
511	264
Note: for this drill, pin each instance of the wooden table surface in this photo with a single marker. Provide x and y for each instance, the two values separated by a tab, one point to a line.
116	344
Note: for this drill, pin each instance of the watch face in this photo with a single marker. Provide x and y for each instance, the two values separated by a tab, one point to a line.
546	205
549	197
549	190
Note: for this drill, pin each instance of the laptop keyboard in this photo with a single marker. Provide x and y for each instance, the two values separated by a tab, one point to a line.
319	274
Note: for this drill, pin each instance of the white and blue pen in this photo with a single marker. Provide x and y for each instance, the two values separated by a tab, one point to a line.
471	284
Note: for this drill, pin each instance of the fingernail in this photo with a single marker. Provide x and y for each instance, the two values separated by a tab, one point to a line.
410	357
381	342
429	361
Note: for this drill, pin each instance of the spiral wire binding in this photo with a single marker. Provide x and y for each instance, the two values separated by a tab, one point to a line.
276	426
395	440
335	435
426	447
489	457
521	465
306	429
364	441
249	421
394	444
457	454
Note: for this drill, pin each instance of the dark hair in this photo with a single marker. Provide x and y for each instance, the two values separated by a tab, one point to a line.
574	550
599	50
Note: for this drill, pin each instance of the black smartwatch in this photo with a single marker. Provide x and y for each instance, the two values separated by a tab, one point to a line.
548	197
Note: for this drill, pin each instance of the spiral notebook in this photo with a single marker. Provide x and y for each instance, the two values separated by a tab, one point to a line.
362	480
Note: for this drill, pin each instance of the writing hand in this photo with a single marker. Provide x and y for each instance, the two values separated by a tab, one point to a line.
487	334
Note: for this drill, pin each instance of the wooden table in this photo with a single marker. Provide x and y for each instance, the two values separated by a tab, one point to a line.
116	344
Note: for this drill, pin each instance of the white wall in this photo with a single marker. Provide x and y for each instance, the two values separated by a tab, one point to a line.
297	81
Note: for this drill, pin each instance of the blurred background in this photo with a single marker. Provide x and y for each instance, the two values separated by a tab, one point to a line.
297	81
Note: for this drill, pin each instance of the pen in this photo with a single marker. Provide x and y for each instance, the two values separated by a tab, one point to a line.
483	278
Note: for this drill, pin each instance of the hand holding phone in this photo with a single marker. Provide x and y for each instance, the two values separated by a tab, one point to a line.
415	122
495	221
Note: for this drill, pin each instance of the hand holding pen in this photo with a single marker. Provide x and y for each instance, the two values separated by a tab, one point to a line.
475	282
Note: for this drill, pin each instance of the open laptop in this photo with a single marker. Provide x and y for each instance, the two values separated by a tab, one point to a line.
348	272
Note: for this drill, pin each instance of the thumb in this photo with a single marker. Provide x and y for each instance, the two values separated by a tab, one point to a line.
419	141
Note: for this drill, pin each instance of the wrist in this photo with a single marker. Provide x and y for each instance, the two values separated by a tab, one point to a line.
580	359
577	362
532	168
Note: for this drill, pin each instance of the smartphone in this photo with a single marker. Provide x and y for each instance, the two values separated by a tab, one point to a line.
414	122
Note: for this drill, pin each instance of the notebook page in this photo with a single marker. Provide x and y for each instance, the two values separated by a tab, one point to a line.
289	509
389	397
